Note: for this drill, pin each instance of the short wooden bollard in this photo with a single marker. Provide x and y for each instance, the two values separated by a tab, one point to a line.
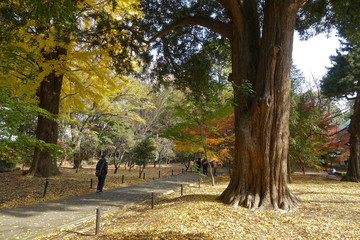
182	170
159	174
182	189
122	178
199	182
172	172
144	176
97	222
45	187
91	183
152	200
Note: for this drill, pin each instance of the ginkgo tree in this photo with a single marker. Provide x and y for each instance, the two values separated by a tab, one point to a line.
46	43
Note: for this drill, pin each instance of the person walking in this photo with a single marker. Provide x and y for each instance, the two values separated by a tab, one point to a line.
101	171
198	164
213	166
205	164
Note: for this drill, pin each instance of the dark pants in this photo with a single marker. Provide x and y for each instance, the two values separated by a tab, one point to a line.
101	182
205	169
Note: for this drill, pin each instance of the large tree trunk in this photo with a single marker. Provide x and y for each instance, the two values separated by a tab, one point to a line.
353	171
259	175
43	163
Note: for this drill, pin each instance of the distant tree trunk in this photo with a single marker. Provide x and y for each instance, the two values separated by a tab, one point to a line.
118	163
289	171
353	171
258	179
43	163
187	163
141	170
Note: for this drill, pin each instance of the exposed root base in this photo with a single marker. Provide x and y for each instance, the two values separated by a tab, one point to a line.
255	202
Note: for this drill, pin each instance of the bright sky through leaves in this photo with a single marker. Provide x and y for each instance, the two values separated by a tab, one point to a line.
312	56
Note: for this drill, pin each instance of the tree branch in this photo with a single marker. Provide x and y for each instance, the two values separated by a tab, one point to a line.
349	98
236	14
224	3
301	2
212	24
345	128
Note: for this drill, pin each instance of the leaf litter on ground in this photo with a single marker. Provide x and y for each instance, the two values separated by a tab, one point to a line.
17	190
330	209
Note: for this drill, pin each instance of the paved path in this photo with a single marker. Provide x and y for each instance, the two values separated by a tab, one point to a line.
44	218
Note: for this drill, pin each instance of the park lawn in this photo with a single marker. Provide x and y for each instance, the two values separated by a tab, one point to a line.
330	209
17	190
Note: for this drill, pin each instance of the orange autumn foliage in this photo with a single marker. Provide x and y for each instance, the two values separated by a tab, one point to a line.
220	139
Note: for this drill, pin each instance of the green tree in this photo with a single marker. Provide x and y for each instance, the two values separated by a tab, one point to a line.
17	124
142	153
343	81
194	122
309	125
342	78
106	123
259	35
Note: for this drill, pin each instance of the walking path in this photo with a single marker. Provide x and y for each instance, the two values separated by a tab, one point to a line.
40	219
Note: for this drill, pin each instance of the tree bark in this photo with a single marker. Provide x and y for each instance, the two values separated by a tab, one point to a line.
43	163
258	179
353	171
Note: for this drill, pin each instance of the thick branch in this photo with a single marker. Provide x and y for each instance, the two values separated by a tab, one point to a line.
236	14
212	24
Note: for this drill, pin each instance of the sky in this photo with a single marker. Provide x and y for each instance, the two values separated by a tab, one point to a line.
312	56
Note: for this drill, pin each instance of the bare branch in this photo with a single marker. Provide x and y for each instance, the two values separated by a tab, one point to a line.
345	128
212	24
301	2
69	95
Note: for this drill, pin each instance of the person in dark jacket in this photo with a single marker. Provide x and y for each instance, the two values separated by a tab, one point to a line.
101	171
198	164
205	164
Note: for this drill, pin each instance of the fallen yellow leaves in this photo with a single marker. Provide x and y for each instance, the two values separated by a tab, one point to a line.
330	210
17	190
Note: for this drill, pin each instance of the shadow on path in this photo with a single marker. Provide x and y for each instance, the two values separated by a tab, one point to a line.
43	218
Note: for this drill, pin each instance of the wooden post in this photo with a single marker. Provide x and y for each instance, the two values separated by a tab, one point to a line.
45	187
182	189
122	178
91	183
144	176
152	200
159	174
97	224
199	182
182	170
172	172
